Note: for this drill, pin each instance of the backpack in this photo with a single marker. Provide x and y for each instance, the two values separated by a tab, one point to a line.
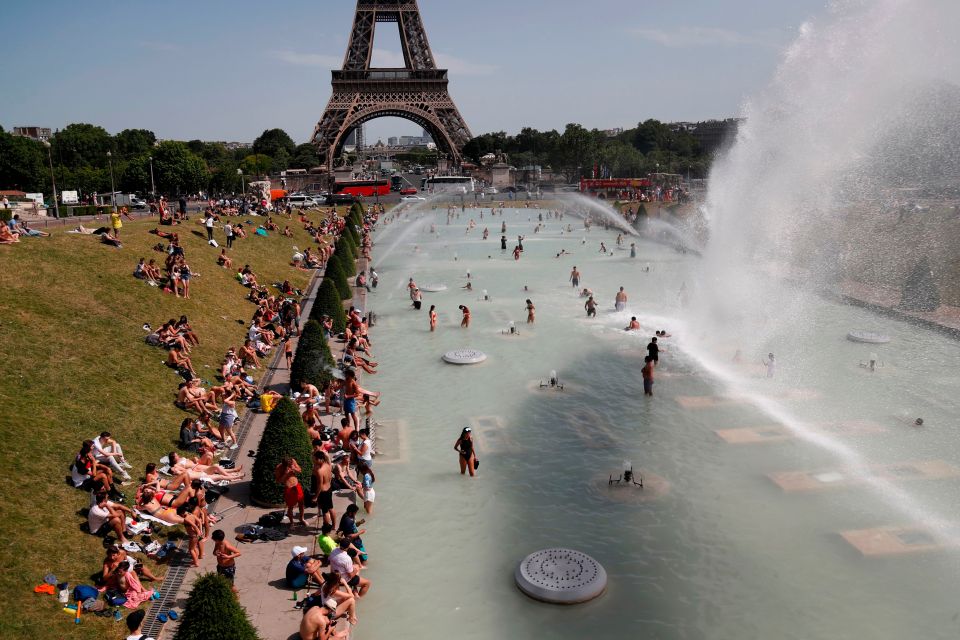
271	519
83	592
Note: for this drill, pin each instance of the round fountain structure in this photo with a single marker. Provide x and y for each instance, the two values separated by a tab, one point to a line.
561	576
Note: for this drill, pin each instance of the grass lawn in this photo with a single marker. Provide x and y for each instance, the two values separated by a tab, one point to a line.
75	364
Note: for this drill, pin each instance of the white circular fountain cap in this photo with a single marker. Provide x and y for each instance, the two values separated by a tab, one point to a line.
869	337
433	288
464	356
561	576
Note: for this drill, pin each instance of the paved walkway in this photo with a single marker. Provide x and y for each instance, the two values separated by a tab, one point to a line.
261	569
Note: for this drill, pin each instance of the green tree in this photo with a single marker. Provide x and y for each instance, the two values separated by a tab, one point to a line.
131	143
329	303
304	157
256	164
135	176
284	436
82	145
335	272
177	170
212	611
23	164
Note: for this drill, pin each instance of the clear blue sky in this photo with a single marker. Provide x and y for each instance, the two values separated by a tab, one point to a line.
227	70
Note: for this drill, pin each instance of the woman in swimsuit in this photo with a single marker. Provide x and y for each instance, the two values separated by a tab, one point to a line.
531	311
149	505
464	446
433	316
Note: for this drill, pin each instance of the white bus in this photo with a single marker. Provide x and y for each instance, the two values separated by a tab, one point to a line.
449	184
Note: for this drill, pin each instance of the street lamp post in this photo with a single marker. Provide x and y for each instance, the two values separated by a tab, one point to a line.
153	188
113	187
242	182
53	181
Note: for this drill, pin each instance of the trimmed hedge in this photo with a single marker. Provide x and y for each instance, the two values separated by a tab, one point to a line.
285	435
335	272
212	611
328	302
347	258
313	360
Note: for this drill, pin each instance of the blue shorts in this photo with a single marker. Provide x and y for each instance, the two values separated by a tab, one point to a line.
350	405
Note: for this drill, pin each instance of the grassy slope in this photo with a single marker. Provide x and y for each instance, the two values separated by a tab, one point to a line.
74	364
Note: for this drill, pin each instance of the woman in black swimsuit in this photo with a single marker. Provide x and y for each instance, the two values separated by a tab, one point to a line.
464	446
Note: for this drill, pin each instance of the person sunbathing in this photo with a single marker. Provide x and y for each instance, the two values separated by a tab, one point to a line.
151	506
183	328
169	337
224	260
7	236
153	480
248	355
194	397
287	232
197	471
177	360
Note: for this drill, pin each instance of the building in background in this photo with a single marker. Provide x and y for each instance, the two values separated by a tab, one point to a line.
41	134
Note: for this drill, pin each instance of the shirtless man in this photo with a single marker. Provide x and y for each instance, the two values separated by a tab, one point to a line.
621	301
591	306
575	277
316	625
412	286
323	477
465	323
633	326
178	360
286	474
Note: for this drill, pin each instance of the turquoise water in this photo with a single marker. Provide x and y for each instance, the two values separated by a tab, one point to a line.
713	548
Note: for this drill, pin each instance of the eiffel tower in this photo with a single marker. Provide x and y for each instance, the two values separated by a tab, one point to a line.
417	92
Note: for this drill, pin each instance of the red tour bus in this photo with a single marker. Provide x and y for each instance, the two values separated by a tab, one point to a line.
365	188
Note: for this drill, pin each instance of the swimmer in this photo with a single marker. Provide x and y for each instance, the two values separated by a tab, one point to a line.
531	310
591	306
918	422
465	323
633	326
586	293
433	317
468	286
603	248
663	334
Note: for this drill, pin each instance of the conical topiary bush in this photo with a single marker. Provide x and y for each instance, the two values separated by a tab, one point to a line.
313	360
335	272
328	302
284	436
212	611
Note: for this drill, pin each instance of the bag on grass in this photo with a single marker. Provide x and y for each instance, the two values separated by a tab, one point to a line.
83	592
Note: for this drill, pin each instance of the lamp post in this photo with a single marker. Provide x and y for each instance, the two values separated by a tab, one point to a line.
242	182
113	187
153	188
53	181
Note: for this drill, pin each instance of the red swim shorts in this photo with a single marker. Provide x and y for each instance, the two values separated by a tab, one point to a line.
292	496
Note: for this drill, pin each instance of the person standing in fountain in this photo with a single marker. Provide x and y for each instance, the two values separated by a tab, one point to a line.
647	373
531	311
575	277
433	318
503	243
633	250
591	306
468	458
653	351
465	323
621	301
417	299
771	364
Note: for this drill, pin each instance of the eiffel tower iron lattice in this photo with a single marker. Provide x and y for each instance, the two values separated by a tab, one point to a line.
417	92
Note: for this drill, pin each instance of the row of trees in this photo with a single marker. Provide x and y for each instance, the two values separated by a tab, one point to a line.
578	152
79	155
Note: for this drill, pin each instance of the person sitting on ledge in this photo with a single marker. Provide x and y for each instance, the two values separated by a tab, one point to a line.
301	568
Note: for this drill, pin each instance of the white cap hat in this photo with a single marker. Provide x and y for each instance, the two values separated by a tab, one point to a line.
330	603
296	551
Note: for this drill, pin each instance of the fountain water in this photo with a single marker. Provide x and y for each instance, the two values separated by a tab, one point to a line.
800	194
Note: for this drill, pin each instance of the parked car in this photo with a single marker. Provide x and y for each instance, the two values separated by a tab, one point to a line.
408	191
413	199
137	203
340	198
303	201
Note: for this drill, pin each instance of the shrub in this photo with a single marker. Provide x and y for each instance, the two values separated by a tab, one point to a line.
6	215
328	302
347	258
334	271
285	435
313	359
356	213
212	611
